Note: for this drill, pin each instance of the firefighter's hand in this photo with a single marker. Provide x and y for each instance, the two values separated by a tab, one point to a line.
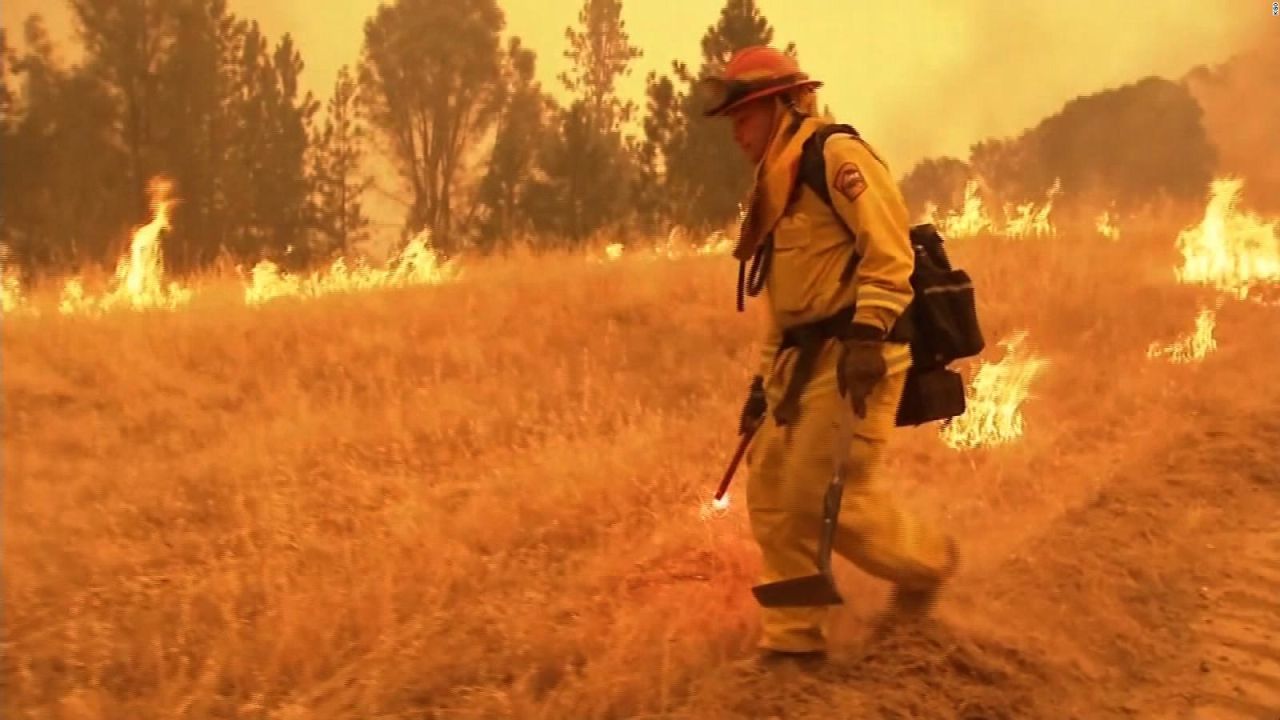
861	366
754	408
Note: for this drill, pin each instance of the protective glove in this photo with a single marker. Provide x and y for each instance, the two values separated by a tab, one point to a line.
755	407
861	365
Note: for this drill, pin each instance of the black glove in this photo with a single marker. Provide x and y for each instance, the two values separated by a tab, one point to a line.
754	408
861	365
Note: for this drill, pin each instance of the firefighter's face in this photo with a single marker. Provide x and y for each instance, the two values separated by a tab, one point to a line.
753	126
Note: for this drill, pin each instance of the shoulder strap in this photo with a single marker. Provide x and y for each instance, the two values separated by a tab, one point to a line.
813	172
813	161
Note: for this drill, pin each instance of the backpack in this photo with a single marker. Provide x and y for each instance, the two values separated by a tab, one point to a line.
941	322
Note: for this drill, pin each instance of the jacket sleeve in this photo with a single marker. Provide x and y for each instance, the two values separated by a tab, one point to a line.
866	197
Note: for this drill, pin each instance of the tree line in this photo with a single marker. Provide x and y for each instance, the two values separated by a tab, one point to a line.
191	90
486	154
1120	149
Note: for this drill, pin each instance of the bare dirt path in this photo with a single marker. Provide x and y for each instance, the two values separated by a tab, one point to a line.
1159	597
1236	626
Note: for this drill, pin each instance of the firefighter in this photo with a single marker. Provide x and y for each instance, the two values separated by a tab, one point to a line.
835	276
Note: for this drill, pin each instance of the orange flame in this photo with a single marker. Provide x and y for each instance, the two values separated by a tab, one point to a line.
722	242
139	281
717	243
417	264
12	299
613	251
971	220
1030	222
1106	226
675	246
994	414
1192	347
1021	221
1231	250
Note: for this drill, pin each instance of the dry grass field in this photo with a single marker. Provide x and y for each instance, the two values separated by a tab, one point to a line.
486	499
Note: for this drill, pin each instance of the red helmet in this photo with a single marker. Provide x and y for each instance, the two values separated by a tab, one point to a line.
752	73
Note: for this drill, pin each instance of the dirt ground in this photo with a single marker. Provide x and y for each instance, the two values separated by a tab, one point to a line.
483	501
1154	594
1157	598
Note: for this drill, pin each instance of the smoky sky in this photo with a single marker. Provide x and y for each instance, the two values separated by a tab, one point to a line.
918	77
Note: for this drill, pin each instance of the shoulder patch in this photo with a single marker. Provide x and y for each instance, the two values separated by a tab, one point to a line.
849	181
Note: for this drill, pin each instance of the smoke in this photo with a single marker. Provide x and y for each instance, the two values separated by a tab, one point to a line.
926	78
920	78
1241	102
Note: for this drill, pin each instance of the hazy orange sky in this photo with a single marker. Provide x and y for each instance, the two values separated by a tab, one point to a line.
918	77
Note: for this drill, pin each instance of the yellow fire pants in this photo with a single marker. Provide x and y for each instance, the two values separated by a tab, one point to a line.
789	469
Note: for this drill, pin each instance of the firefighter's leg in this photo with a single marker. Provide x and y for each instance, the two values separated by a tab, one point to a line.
786	519
876	532
790	468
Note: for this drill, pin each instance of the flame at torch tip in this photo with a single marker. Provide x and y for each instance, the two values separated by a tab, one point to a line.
714	508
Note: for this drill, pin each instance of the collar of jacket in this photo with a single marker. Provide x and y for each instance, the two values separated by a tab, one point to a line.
775	178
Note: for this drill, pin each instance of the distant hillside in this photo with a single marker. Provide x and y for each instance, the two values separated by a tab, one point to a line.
1120	148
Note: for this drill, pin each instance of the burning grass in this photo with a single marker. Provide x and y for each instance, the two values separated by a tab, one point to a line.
1192	347
139	282
993	415
482	498
1027	220
13	299
1231	249
417	264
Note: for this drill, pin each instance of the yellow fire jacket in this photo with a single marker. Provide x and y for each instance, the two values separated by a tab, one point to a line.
811	248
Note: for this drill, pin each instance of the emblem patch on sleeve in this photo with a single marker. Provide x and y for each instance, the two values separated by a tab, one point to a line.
849	181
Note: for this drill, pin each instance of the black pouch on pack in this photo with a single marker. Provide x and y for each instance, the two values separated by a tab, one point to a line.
930	394
944	311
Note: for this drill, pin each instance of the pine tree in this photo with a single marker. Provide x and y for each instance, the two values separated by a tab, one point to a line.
430	77
587	163
601	52
198	95
190	123
71	205
703	175
125	43
337	181
503	193
663	119
741	24
286	196
268	194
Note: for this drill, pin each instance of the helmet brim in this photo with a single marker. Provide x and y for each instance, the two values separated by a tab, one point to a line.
728	105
